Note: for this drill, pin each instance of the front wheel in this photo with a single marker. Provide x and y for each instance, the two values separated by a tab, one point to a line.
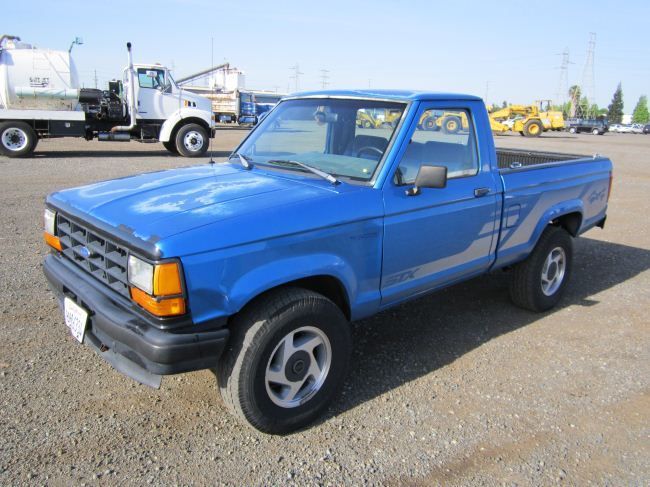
538	282
170	146
288	356
17	139
572	130
595	132
192	140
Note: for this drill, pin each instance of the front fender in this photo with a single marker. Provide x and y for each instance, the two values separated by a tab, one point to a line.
283	271
177	118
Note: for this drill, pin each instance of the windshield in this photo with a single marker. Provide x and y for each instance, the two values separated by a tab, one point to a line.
342	137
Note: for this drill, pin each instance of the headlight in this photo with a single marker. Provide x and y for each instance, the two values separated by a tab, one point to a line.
141	274
49	227
49	221
157	287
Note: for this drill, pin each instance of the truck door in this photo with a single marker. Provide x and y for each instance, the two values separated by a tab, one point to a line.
444	234
156	99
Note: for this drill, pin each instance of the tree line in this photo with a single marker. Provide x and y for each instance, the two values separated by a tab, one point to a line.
578	107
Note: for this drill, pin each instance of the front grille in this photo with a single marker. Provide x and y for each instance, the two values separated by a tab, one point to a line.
94	253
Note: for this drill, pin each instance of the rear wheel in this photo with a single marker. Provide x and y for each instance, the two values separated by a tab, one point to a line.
287	357
533	128
192	140
17	139
595	132
538	282
572	130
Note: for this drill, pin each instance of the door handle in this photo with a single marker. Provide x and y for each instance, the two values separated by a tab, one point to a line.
478	192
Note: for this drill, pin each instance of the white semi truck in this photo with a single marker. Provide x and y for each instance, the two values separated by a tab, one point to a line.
40	98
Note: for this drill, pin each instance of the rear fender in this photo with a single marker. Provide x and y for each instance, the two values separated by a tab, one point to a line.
553	213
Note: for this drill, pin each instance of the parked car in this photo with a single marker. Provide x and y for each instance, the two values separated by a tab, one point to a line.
646	129
636	128
255	267
615	127
595	127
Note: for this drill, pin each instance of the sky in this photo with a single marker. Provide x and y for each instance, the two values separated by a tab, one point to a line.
501	50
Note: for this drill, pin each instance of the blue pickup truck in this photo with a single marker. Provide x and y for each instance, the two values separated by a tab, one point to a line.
255	267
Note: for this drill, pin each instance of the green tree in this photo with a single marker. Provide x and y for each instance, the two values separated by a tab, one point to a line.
640	113
615	109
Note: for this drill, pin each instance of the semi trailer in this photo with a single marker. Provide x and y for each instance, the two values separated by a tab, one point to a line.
40	97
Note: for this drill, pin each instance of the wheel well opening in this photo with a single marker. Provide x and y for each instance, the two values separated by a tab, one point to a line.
570	222
328	286
185	121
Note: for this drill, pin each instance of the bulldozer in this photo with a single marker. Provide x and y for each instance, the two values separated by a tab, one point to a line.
528	120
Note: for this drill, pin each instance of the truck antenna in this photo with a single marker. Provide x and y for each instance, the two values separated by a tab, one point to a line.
211	161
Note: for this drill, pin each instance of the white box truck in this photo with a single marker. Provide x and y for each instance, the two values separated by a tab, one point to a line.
40	98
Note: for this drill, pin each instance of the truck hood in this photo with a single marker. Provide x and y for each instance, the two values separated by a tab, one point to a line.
154	206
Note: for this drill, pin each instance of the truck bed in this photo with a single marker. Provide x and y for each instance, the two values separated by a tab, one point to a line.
515	158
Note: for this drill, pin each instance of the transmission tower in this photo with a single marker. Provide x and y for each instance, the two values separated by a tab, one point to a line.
563	84
296	75
324	77
588	76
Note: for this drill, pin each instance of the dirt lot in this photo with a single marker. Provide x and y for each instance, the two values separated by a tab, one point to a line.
459	387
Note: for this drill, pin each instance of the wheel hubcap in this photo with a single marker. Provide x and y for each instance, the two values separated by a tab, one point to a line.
14	139
193	141
298	367
553	271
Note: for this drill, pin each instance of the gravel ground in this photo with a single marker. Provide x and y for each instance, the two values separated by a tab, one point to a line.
459	387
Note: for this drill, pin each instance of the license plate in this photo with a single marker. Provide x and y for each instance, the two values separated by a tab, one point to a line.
75	318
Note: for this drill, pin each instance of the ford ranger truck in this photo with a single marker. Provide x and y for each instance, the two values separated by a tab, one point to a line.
255	267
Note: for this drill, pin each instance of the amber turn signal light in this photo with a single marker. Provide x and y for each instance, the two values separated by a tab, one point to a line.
167	280
53	241
158	307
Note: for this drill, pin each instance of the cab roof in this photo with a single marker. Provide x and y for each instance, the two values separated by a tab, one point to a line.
397	95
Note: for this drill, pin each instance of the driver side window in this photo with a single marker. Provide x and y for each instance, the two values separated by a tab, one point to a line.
443	137
151	78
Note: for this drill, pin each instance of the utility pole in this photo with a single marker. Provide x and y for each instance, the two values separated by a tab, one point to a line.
296	75
324	77
95	79
588	76
487	91
563	84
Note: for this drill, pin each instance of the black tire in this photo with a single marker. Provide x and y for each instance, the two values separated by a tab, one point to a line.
533	128
572	130
429	123
451	125
192	140
595	132
17	139
526	289
170	146
257	331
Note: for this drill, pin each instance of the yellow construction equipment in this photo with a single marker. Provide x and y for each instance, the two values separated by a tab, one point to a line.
528	120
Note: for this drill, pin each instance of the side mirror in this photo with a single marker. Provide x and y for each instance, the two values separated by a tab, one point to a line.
429	177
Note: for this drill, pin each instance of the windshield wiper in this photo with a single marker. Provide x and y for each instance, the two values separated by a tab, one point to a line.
245	161
317	172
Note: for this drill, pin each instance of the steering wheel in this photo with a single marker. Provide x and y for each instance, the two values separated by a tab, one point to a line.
370	148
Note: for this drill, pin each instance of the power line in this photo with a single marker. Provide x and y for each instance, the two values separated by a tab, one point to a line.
324	77
588	75
296	75
563	84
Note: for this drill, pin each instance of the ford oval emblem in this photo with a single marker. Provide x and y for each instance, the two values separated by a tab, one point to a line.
85	252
